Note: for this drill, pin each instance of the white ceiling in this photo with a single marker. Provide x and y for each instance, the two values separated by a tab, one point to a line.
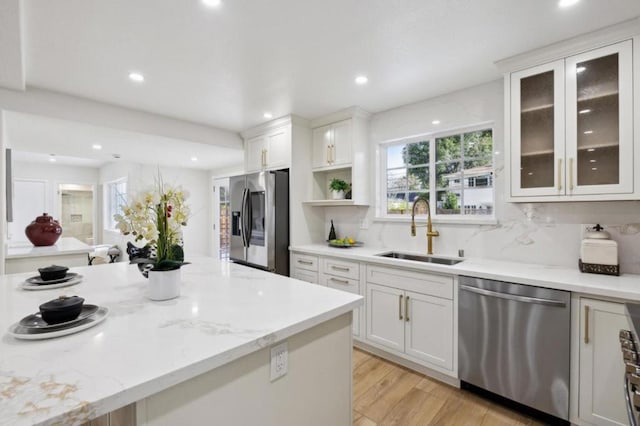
224	67
34	138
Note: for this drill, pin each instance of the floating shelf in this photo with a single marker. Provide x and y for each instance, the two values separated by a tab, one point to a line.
332	203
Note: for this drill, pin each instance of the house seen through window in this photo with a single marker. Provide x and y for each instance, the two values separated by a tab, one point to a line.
455	172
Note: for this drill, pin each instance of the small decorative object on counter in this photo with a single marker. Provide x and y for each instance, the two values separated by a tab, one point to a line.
62	309
599	253
157	216
332	232
43	231
53	272
338	188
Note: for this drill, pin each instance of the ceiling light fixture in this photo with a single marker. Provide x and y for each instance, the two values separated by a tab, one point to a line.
580	69
584	111
567	3
136	76
267	115
361	79
97	147
212	3
435	122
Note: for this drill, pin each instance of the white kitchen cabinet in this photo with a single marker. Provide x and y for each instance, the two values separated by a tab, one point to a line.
570	127
601	369
342	275
404	318
304	267
269	150
332	145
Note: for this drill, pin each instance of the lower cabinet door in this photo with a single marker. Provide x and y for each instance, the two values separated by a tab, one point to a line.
601	396
429	329
385	318
304	275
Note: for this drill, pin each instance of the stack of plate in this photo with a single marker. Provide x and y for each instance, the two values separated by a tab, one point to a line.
37	283
33	327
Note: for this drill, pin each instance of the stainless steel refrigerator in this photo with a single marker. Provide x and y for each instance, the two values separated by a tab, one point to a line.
260	220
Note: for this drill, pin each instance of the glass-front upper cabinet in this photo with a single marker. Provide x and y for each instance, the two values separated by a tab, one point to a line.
600	110
572	126
537	130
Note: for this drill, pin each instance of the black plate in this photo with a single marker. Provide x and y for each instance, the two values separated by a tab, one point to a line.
35	321
39	281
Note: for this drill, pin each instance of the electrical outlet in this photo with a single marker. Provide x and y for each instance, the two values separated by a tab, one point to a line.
279	361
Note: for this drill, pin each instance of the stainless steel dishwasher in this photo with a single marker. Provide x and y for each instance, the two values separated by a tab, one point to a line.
514	341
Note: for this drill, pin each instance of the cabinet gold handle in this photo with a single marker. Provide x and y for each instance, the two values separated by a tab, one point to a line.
339	281
329	154
340	268
333	154
400	308
586	324
570	174
406	309
559	174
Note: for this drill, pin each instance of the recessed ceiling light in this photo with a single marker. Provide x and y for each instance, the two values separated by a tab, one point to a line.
136	76
580	69
567	3
212	3
97	147
591	149
435	122
362	79
584	111
194	158
267	115
594	168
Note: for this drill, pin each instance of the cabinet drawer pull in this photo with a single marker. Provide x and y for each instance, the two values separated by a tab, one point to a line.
340	268
305	262
400	307
570	174
335	280
406	309
586	324
559	174
329	154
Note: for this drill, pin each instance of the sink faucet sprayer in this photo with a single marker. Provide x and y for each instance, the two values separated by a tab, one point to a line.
430	232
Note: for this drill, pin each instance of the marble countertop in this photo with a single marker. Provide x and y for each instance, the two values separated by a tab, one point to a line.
225	311
626	286
64	245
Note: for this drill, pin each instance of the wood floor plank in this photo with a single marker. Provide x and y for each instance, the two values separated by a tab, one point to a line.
364	421
416	408
368	374
360	357
436	388
458	411
385	394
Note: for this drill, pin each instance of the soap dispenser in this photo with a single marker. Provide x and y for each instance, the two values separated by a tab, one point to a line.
599	253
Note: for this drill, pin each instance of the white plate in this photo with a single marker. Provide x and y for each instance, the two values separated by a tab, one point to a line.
37	280
26	286
25	333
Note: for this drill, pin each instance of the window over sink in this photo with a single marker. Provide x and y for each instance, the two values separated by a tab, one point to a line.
454	170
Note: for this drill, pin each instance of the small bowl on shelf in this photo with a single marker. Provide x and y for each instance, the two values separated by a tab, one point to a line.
53	272
62	309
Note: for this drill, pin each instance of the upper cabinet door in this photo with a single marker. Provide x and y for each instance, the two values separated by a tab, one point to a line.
322	140
341	143
599	142
254	154
537	131
278	148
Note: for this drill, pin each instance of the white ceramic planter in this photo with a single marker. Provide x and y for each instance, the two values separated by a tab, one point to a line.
164	285
337	195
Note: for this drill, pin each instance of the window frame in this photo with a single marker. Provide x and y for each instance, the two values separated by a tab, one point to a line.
108	224
381	177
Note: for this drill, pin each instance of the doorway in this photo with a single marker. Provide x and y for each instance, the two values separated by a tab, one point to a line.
221	218
76	203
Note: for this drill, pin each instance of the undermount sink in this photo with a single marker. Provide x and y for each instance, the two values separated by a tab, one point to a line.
420	258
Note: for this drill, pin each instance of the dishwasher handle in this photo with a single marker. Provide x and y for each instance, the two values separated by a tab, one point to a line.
507	296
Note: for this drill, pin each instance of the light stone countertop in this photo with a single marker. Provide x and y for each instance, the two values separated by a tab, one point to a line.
64	245
225	311
626	286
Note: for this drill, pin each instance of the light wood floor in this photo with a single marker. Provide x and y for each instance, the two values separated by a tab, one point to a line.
388	394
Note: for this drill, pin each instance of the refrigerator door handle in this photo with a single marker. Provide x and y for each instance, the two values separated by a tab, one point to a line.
243	215
249	217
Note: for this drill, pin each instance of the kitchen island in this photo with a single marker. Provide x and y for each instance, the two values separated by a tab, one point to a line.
203	358
25	257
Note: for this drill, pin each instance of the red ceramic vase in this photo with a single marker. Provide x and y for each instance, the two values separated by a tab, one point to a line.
44	231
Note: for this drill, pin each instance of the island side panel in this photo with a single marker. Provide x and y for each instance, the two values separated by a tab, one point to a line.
317	390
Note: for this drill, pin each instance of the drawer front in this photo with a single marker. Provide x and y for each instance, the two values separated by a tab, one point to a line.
304	261
341	268
304	275
344	284
420	282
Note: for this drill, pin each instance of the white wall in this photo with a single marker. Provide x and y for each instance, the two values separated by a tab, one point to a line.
196	234
548	233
